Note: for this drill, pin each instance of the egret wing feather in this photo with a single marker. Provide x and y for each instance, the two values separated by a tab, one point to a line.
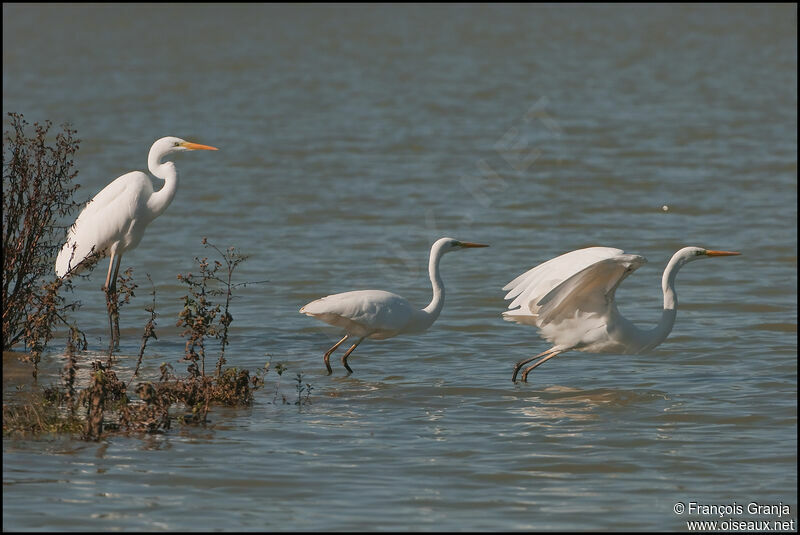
373	313
535	283
588	292
106	220
530	288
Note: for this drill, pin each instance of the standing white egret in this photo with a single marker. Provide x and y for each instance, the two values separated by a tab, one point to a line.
571	300
114	220
379	315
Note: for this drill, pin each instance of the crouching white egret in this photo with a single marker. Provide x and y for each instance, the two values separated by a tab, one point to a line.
571	300
114	220
379	315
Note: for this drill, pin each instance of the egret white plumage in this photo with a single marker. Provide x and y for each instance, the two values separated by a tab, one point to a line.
115	219
379	315
570	299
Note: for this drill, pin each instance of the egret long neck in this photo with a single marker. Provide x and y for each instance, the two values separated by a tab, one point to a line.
670	311
160	200
437	302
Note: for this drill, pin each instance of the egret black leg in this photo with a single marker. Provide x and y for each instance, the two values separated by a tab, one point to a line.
538	363
107	285
110	288
344	357
112	301
110	309
330	351
116	273
523	362
116	300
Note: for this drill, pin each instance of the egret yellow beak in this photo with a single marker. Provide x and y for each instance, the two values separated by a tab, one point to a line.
470	244
722	253
197	146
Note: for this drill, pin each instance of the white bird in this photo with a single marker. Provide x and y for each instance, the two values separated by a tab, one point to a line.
570	299
114	220
379	315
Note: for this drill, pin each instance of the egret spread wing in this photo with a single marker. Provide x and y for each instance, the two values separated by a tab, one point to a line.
587	292
582	280
105	220
527	289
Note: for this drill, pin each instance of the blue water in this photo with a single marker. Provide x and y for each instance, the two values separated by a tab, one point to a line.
351	138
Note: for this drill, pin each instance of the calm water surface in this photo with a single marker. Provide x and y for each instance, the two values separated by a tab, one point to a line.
350	139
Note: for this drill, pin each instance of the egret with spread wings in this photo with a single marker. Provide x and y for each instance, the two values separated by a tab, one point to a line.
570	299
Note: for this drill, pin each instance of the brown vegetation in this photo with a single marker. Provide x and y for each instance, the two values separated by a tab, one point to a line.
37	190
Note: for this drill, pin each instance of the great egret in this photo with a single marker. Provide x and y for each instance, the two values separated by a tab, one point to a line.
379	315
114	220
570	299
